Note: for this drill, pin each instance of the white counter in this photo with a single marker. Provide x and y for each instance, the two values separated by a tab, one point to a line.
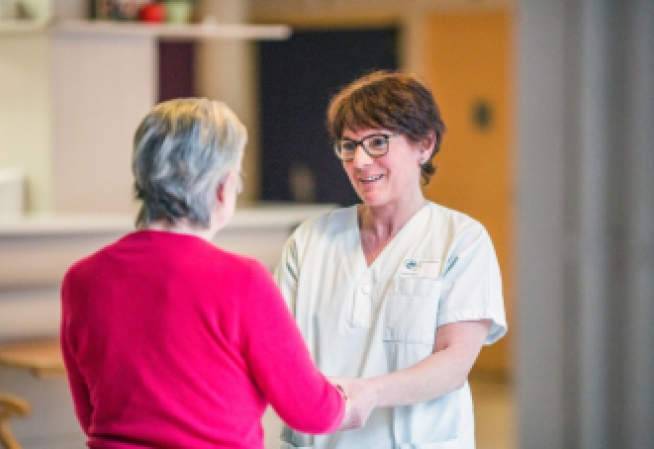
36	251
262	216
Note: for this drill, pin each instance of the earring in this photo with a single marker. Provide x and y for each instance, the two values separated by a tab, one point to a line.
423	160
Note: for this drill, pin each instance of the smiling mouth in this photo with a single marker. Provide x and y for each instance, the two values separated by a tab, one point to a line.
371	179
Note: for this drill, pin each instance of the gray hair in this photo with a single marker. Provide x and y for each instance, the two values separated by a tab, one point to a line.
183	150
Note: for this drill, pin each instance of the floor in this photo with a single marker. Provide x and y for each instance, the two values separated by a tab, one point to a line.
495	414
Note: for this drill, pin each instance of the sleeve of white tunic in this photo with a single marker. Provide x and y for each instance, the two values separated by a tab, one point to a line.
286	273
472	282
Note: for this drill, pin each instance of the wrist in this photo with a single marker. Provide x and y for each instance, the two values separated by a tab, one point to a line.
376	391
340	390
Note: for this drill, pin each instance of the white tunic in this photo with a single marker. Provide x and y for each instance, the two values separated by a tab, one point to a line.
361	321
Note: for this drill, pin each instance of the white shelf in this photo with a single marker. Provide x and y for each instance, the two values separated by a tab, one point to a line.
161	31
173	31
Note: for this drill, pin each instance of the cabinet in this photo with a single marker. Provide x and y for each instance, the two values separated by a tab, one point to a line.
71	96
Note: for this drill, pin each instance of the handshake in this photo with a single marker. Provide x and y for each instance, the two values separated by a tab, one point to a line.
361	397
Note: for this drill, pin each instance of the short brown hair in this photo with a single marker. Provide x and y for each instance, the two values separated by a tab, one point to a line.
392	100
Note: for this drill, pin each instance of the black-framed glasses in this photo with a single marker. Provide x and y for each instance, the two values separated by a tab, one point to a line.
375	145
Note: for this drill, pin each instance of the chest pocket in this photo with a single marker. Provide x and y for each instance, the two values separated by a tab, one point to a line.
411	313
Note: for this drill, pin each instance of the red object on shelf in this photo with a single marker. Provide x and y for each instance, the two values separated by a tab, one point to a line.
152	12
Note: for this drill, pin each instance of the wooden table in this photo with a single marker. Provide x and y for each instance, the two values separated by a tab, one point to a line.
42	357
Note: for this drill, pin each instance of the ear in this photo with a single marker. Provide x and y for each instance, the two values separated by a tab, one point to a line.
427	146
221	191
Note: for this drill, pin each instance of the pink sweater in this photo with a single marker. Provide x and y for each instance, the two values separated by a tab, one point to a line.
172	342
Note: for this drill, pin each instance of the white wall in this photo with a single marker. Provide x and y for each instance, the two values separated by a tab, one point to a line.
102	88
586	224
227	72
25	110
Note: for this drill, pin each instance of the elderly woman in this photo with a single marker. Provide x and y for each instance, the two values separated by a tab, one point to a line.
397	292
168	340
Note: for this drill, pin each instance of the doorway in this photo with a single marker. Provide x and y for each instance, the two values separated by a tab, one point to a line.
297	78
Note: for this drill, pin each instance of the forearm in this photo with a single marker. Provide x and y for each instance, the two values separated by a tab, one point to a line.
81	397
78	388
438	374
444	371
430	378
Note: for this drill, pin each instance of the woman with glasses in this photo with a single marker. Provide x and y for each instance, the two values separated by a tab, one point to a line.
395	296
168	340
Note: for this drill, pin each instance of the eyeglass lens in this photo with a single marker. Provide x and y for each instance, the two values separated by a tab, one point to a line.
375	145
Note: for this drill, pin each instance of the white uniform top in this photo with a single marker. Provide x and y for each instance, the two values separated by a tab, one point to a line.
361	321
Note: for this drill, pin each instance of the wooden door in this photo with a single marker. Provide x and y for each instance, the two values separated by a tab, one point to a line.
468	66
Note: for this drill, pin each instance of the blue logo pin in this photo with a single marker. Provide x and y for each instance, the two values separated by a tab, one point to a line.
411	264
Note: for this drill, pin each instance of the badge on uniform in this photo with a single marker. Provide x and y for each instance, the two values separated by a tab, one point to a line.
420	269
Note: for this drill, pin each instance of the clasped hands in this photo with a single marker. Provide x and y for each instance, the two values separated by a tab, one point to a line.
361	398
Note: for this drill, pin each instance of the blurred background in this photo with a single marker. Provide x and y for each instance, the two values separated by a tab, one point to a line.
549	108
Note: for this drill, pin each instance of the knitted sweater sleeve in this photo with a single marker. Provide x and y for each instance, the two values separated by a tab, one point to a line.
281	363
78	386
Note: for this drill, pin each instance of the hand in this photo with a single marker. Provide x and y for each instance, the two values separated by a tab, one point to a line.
360	401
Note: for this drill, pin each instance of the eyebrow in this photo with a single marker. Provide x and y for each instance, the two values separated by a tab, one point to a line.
366	136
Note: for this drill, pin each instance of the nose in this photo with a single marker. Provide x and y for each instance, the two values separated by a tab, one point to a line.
361	158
